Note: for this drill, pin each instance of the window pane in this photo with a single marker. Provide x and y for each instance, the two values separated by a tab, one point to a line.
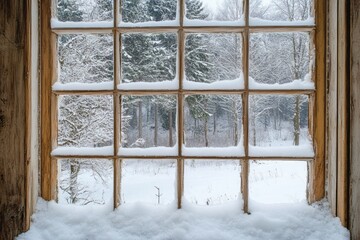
85	121
277	182
213	61
148	122
154	11
84	10
212	182
280	60
279	121
280	12
149	58
148	181
213	121
85	62
221	12
85	181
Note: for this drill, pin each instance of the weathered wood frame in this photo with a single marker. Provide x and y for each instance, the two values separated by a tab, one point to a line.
316	184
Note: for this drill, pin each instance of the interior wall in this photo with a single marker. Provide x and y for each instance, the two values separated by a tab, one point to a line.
13	76
354	199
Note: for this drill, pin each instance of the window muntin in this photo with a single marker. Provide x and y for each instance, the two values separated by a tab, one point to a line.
182	28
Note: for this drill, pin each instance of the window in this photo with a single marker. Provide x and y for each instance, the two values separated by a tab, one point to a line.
144	94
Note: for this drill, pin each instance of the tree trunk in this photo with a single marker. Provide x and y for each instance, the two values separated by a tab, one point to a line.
254	129
236	127
214	124
297	122
140	120
74	171
206	132
170	129
156	126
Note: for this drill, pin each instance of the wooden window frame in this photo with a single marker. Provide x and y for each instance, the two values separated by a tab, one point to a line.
317	117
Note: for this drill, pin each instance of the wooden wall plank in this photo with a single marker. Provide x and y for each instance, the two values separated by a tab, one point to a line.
342	131
12	117
354	197
331	153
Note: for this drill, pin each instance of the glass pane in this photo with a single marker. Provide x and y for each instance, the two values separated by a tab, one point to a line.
212	182
154	11
148	58
149	121
280	12
277	182
148	181
220	12
85	121
85	59
280	60
84	10
213	120
213	61
85	181
279	121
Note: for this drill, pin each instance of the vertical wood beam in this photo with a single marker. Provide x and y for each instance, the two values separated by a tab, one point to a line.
354	163
331	125
47	42
316	187
343	96
14	118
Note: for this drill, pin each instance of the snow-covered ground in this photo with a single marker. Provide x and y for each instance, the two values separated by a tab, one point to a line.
212	204
274	222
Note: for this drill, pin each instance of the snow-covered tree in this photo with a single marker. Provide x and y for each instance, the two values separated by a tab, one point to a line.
68	10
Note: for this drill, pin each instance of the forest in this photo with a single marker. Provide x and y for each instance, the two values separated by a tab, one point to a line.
277	60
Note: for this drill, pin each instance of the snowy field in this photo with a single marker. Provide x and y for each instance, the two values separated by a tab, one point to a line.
212	204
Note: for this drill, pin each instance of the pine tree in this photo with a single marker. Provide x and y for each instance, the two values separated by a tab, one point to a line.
68	10
198	65
162	10
134	11
103	10
195	10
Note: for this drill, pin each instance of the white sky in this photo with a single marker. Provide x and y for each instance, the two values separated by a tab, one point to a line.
212	4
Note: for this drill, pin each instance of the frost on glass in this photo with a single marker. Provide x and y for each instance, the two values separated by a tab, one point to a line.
85	121
148	121
154	11
278	120
212	182
148	58
85	58
281	12
148	181
84	10
280	60
277	182
213	120
221	12
85	181
213	58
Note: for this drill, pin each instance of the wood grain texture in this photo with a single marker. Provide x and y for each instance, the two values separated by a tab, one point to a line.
13	136
331	133
316	187
343	118
354	198
47	69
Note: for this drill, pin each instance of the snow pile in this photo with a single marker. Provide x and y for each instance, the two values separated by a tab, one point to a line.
55	23
72	151
270	222
82	86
